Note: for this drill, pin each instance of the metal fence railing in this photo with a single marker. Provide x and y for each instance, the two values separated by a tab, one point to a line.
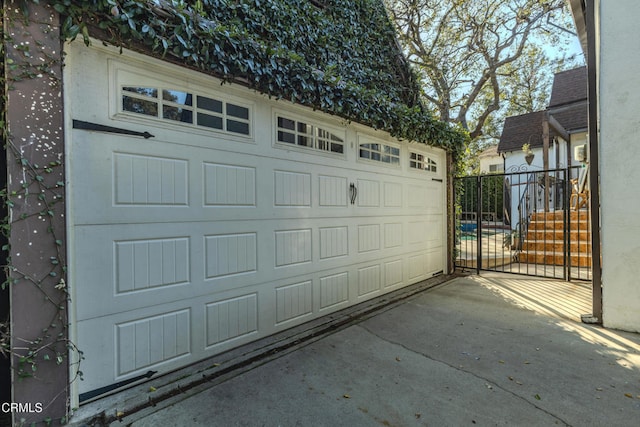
523	223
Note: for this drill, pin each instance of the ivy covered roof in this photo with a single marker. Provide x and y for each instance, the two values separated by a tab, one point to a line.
337	56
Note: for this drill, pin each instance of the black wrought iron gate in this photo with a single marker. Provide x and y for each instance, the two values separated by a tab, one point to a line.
531	223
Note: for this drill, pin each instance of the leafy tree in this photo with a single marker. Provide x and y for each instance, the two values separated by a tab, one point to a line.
474	57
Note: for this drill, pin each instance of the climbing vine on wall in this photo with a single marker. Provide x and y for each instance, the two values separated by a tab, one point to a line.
337	56
34	187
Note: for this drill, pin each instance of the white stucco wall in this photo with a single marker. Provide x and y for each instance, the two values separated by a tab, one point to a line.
619	103
515	162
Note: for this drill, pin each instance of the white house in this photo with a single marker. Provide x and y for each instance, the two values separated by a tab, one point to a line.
490	161
563	123
562	126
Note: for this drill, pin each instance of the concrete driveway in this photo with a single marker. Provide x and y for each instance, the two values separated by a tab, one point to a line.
478	350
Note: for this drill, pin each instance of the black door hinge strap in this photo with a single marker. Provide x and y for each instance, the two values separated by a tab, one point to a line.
108	388
79	124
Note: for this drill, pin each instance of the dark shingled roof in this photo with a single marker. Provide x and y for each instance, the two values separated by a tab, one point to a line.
520	130
573	118
568	105
568	102
568	87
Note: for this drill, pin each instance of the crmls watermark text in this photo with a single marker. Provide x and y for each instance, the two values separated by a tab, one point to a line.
30	408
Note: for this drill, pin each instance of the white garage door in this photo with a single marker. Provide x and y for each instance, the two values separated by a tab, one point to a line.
241	216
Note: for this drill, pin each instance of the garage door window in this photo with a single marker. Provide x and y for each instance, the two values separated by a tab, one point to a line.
380	152
141	100
422	162
290	131
186	107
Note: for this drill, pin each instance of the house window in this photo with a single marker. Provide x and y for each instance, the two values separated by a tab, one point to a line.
422	162
380	152
187	108
495	168
295	132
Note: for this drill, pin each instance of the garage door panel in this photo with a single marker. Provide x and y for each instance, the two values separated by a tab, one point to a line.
292	247
135	268
225	321
435	261
117	182
142	185
147	187
333	290
417	267
222	321
134	343
332	191
291	188
190	243
369	280
231	319
434	199
368	193
229	185
392	195
333	242
230	254
417	196
368	237
143	343
417	232
165	337
294	302
394	235
393	273
433	239
142	266
149	180
148	263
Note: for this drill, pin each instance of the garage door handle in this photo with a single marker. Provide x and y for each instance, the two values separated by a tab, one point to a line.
353	192
437	179
79	124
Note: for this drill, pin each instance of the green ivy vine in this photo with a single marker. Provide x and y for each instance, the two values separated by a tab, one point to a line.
340	57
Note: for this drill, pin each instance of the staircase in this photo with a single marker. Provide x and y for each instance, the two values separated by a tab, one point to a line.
544	242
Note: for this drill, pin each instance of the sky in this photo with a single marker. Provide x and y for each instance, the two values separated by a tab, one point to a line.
573	42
